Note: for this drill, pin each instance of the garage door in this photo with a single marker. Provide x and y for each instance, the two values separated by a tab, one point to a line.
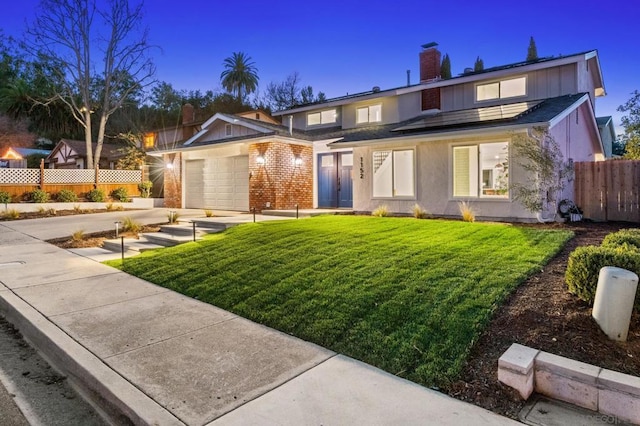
217	183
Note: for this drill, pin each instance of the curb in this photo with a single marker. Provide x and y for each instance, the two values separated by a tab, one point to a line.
116	398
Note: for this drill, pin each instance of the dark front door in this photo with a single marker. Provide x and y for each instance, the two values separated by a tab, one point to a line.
335	184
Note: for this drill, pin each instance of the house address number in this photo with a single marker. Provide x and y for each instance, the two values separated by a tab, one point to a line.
361	168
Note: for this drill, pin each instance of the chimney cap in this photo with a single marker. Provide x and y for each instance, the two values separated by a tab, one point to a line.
429	45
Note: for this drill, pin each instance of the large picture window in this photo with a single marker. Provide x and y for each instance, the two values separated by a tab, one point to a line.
481	170
510	88
393	174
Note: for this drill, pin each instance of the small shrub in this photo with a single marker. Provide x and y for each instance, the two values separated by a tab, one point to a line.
629	237
173	216
42	210
11	214
109	206
77	236
130	225
467	212
77	208
145	188
5	197
67	196
418	212
381	211
208	213
584	264
39	196
96	195
120	194
51	212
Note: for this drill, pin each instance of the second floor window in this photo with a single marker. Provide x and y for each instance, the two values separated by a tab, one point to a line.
369	114
322	117
502	89
228	130
149	140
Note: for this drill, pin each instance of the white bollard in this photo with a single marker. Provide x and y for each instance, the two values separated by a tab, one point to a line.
614	299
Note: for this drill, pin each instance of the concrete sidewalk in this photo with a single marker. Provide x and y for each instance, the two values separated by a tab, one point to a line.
153	356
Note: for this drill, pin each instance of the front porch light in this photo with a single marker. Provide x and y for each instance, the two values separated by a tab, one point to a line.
297	161
260	160
169	166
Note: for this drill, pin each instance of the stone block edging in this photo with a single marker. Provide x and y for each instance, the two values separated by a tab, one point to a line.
608	392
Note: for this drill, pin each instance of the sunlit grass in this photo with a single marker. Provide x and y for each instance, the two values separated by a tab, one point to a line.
409	296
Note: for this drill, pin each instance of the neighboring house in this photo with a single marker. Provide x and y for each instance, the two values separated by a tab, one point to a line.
607	134
72	154
16	158
434	143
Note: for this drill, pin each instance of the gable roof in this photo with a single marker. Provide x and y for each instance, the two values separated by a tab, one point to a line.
109	151
262	128
493	72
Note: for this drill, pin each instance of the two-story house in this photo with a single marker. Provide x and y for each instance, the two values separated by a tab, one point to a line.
434	143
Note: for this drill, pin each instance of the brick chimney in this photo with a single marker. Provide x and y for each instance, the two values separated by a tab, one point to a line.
188	114
430	71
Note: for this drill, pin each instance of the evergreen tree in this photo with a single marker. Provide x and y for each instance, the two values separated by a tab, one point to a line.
532	51
445	67
479	65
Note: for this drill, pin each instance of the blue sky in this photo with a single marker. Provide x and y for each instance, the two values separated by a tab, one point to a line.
341	47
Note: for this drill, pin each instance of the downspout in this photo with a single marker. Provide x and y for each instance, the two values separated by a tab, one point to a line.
291	125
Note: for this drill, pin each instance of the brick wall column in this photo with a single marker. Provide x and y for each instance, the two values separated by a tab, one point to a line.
173	180
280	182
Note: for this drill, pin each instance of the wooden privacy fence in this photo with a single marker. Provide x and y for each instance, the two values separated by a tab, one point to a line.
608	190
17	182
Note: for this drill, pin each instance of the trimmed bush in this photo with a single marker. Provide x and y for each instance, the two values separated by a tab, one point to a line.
67	196
5	197
145	188
628	237
96	195
585	263
39	196
120	194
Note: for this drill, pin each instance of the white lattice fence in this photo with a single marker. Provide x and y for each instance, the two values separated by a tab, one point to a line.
119	176
62	176
20	176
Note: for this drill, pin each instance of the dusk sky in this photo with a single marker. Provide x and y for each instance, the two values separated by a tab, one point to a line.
341	47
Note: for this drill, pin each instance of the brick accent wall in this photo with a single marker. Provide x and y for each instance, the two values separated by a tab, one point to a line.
431	99
173	181
279	181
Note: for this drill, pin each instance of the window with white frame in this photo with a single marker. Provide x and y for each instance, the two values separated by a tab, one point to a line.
369	114
502	89
322	117
393	174
481	170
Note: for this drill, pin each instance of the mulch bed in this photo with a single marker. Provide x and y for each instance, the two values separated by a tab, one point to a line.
542	314
96	239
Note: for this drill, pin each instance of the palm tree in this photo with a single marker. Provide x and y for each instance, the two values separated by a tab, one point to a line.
240	75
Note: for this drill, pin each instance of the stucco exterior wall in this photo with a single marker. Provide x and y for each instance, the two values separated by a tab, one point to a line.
433	177
541	84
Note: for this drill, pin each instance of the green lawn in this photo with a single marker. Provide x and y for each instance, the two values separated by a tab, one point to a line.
409	296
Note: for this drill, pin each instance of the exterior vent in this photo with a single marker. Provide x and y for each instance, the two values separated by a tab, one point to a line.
375	89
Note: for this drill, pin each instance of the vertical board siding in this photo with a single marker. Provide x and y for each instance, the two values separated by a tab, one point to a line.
609	190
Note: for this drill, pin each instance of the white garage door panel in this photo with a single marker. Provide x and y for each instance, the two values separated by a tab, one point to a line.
226	183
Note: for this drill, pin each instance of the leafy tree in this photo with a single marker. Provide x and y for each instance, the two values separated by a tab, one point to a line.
478	65
631	123
240	75
547	171
445	67
68	33
532	50
618	147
